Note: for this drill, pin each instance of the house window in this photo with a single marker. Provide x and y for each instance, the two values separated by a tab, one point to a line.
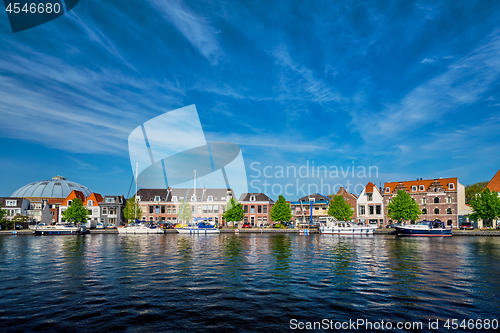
264	209
259	220
110	200
90	203
192	209
245	219
387	190
370	210
210	198
436	211
264	220
436	200
216	209
378	209
198	209
174	211
436	189
168	210
193	198
157	198
424	211
69	203
252	198
414	188
151	209
252	209
361	210
163	209
370	197
174	198
259	209
104	210
421	188
10	203
449	200
424	200
448	211
451	186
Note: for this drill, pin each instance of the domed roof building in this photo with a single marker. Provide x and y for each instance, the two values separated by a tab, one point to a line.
58	187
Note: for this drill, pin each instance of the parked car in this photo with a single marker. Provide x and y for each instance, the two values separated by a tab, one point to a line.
466	226
314	225
246	225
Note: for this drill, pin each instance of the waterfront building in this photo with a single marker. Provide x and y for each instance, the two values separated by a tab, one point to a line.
92	203
370	205
257	207
156	205
439	199
48	194
309	208
165	205
351	199
111	209
68	200
14	206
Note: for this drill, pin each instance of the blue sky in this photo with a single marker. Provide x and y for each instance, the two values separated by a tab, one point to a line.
412	88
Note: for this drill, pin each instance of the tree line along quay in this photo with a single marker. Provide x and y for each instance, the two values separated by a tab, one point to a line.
440	199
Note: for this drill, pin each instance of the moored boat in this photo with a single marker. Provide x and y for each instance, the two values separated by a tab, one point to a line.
141	228
424	229
330	226
200	228
61	229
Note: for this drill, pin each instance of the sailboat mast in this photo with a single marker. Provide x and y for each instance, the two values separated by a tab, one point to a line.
135	196
194	211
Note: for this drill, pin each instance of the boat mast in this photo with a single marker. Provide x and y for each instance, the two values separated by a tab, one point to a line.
135	196
194	211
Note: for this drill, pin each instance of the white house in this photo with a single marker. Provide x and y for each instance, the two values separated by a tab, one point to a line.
370	205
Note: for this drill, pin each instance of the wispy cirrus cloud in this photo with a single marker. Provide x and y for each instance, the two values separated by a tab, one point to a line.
195	28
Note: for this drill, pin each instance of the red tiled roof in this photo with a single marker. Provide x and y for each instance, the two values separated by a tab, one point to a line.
426	182
96	199
74	194
494	184
369	187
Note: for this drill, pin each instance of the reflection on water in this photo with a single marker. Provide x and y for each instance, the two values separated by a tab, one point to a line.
247	282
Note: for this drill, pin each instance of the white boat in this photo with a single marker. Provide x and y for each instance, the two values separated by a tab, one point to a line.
140	229
331	226
61	229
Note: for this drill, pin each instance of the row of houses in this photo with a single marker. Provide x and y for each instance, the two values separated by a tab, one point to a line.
107	210
439	199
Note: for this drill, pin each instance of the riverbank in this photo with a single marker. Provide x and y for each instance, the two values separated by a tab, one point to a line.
455	232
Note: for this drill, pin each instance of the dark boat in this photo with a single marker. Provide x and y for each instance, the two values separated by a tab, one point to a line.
424	229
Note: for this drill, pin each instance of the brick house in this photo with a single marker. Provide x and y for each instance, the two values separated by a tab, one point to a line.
351	199
257	207
439	199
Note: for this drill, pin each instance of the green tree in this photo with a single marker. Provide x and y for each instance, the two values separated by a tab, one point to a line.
76	212
281	211
486	206
234	211
472	190
340	209
3	213
128	211
185	211
3	220
403	207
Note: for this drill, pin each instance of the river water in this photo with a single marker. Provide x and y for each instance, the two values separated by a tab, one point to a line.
247	283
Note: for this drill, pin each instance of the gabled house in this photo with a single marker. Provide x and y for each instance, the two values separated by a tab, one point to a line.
370	206
310	208
257	208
